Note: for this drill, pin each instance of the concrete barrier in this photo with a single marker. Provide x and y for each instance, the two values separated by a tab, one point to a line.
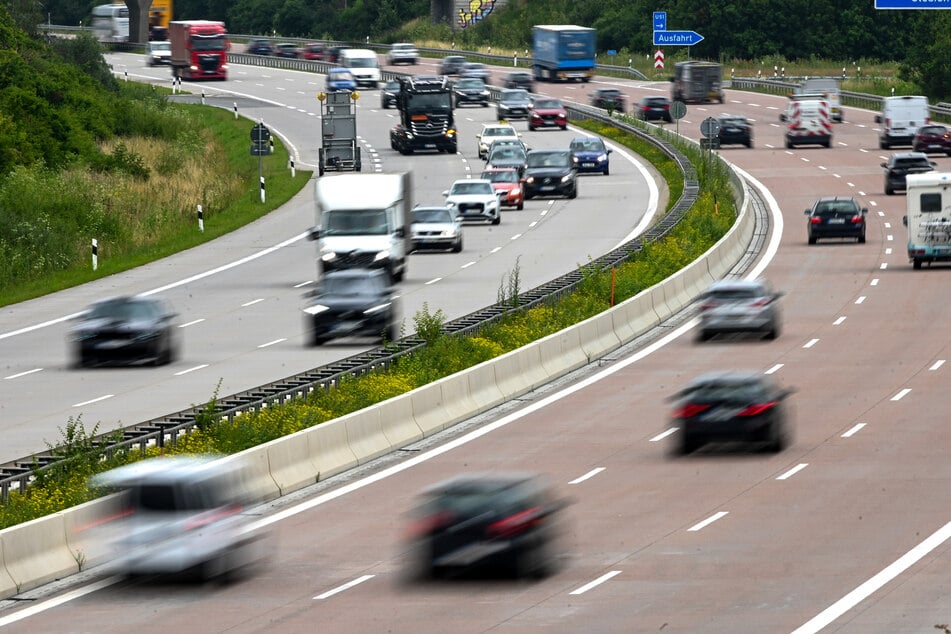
520	371
290	462
257	473
428	409
561	352
35	553
330	449
597	336
456	401
482	387
8	586
365	434
399	424
88	529
634	317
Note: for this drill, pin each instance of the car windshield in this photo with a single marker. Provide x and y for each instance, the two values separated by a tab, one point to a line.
515	96
340	76
912	162
348	285
502	176
549	104
438	214
471	83
161	46
498	132
355	222
734	294
732	121
469	188
592	144
362	62
392	86
655	101
124	310
610	94
548	159
935	129
506	153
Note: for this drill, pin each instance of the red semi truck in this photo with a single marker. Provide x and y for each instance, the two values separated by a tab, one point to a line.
199	49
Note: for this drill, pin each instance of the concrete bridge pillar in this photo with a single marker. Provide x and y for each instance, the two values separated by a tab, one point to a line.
138	20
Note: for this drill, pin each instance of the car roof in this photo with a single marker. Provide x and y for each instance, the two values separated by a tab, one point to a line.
737	285
832	199
471	180
488	481
729	377
164	470
499	169
907	155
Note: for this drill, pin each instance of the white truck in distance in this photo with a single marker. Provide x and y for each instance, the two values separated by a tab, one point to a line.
901	117
362	222
929	217
828	87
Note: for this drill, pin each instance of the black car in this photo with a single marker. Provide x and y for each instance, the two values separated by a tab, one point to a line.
513	104
507	522
451	64
731	406
470	90
836	217
389	94
352	303
510	155
259	47
735	130
609	99
125	329
520	79
900	165
550	173
654	109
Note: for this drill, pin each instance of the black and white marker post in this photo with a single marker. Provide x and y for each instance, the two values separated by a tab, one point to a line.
262	189
95	254
235	110
293	171
201	219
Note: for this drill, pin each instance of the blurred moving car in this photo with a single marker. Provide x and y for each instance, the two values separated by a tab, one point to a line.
609	99
314	51
492	131
340	79
286	49
547	113
475	69
470	90
506	182
513	104
900	165
654	109
402	53
733	130
451	64
742	406
158	53
589	154
508	521
125	329
507	155
389	94
474	199
520	79
436	228
259	47
739	306
183	514
352	303
932	138
550	173
836	217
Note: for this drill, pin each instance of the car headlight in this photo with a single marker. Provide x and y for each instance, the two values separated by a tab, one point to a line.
515	191
328	256
316	309
602	157
382	255
450	132
530	179
574	159
567	177
377	308
409	135
484	93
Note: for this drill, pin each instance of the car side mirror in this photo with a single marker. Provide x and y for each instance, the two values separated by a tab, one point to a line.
782	117
400	232
609	151
878	118
884	164
445	193
864	210
807	212
313	233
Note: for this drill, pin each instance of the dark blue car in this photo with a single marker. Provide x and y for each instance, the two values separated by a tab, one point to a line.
589	154
340	79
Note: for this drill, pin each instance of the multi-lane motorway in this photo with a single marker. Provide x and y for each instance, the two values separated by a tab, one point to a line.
844	529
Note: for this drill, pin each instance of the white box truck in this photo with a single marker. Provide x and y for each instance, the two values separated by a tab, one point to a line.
928	217
362	222
363	65
900	119
828	87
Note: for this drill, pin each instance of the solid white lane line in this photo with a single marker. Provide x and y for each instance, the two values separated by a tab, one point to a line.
663	435
774	369
191	323
937	364
838	321
271	343
901	394
94	400
854	430
252	302
197	367
19	374
303	283
345	586
860	299
865	590
590	474
432	281
708	521
811	343
597	582
60	600
799	467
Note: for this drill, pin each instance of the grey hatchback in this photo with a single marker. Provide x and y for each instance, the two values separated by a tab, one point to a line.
739	306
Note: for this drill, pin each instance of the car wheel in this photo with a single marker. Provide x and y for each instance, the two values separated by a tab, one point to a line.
889	190
485	104
862	239
686	445
607	171
574	193
812	239
497	219
457	247
564	127
773	332
531	128
778	440
703	335
883	145
392	334
789	144
521	205
916	264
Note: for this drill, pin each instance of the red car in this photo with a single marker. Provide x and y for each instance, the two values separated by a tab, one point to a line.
506	179
933	138
547	113
312	51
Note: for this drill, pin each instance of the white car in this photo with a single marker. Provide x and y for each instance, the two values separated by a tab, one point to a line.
402	53
491	132
474	199
436	228
157	53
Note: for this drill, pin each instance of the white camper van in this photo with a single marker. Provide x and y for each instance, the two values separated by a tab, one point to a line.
929	217
362	222
828	87
363	66
901	117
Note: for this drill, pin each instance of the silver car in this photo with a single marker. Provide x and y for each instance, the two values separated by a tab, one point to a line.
739	306
157	53
436	228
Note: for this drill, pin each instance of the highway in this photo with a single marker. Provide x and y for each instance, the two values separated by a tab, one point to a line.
846	530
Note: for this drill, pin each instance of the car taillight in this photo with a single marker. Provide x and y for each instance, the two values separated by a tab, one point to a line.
666	106
856	220
516	524
815	220
690	410
708	305
756	410
759	303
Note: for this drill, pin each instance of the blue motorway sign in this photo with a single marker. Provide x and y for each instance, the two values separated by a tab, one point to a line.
660	20
912	4
676	38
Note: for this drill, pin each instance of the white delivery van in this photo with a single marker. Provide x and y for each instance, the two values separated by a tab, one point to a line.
808	120
363	65
828	87
362	222
929	217
901	117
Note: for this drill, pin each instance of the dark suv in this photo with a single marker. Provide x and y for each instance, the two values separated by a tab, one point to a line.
513	104
352	302
470	90
480	521
836	217
609	99
520	79
451	64
932	138
654	109
550	173
259	47
735	130
900	165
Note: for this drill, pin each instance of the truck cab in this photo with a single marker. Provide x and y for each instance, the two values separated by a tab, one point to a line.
426	118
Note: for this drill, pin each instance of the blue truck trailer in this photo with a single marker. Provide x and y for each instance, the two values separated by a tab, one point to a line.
563	52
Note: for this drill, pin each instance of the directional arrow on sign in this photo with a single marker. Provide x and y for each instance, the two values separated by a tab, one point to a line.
676	38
